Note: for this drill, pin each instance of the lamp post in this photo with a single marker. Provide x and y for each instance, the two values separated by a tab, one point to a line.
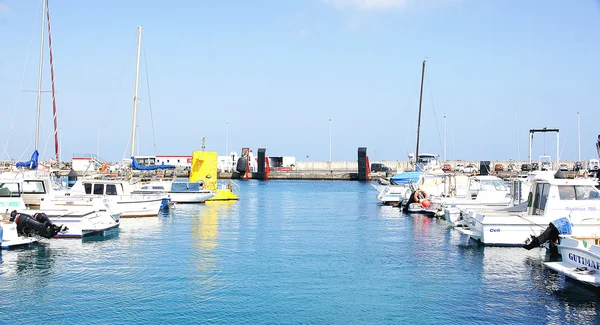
330	142
226	137
578	140
445	138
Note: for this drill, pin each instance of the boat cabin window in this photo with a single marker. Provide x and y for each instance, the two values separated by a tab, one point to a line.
540	199
10	190
158	187
474	185
578	192
99	189
33	187
88	188
111	189
499	185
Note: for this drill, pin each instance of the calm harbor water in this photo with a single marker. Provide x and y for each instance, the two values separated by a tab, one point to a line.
321	252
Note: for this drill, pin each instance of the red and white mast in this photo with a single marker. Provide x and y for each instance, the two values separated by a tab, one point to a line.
56	150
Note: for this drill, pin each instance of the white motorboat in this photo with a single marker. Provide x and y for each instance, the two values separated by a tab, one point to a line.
177	191
465	191
549	199
81	216
10	238
580	259
432	182
119	195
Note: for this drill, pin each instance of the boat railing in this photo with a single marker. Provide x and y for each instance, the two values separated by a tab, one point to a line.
230	185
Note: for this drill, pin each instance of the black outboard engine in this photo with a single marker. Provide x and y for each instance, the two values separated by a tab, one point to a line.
37	225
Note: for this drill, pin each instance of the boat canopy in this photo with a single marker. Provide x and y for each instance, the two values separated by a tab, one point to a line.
134	165
31	163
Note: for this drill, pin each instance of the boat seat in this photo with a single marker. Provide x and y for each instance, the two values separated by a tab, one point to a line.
5	192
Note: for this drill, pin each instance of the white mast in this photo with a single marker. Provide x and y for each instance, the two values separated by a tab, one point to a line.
578	140
445	138
135	91
39	95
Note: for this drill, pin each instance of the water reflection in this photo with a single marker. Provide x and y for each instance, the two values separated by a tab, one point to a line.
205	236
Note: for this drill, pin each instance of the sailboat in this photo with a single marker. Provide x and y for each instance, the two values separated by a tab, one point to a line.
426	169
175	191
17	186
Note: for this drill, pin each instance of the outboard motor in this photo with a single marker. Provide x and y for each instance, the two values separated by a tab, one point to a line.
37	225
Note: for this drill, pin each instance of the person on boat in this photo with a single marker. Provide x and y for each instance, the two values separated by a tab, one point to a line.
560	226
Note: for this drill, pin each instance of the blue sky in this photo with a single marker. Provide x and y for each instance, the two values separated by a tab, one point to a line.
273	73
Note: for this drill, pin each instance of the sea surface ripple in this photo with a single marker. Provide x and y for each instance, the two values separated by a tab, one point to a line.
288	252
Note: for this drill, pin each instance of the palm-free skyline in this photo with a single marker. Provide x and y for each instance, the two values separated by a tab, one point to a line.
315	78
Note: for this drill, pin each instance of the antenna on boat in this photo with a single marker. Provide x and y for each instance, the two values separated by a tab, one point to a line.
135	91
420	104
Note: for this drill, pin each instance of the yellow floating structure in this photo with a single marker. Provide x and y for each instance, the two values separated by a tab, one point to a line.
204	168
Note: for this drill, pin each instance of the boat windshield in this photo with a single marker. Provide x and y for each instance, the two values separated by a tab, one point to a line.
578	192
10	190
186	187
493	185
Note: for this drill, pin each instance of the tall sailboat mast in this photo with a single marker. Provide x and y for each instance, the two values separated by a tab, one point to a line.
56	147
39	91
135	91
420	104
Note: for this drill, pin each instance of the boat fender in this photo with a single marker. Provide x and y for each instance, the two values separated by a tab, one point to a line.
420	196
425	203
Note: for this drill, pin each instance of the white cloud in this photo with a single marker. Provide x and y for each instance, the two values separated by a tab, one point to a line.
375	5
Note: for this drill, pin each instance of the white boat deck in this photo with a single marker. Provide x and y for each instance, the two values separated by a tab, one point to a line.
583	274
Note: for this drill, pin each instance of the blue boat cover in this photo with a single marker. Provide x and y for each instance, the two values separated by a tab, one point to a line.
134	165
563	225
406	177
31	163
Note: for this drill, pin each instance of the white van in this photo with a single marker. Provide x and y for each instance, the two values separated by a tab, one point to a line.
593	164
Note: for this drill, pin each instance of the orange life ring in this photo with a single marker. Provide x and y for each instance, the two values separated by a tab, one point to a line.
420	195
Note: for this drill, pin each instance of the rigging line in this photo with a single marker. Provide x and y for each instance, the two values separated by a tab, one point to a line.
563	147
149	99
5	146
433	106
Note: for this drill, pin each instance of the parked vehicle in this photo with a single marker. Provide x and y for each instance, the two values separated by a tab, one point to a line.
525	167
378	167
594	164
535	166
498	167
447	167
470	168
563	167
546	165
459	167
578	166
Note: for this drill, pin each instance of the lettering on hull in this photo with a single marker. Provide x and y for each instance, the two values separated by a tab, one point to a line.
584	261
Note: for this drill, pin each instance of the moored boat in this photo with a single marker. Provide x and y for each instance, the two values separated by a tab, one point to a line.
580	259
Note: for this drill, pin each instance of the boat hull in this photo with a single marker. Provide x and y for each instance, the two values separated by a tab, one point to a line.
580	260
87	224
10	239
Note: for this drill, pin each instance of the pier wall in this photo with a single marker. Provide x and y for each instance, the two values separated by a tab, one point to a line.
397	165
